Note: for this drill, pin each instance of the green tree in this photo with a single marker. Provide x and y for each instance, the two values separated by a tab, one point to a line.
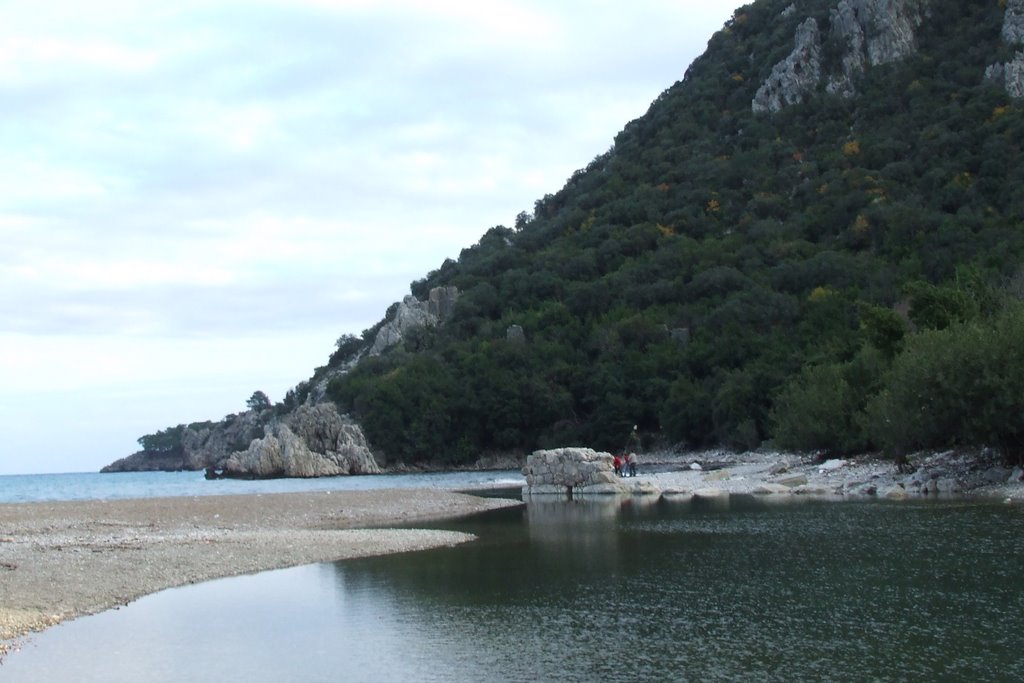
258	402
959	386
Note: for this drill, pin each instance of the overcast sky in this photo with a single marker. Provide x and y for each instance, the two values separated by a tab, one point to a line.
197	198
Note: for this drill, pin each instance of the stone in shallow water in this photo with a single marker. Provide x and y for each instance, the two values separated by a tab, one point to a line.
896	493
770	489
792	480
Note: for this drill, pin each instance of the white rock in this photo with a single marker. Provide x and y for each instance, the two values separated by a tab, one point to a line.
710	494
769	489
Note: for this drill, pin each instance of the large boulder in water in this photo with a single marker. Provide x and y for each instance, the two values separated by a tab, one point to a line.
570	470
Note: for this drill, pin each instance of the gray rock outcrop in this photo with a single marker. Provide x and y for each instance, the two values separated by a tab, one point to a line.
795	76
412	314
1013	23
1010	75
869	32
210	446
315	441
568	471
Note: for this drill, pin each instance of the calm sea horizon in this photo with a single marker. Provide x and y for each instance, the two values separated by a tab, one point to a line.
29	488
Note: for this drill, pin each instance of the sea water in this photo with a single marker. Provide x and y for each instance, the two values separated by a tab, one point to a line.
628	590
29	488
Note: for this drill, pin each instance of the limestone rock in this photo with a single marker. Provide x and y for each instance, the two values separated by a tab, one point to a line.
145	461
644	488
847	31
412	314
868	32
792	481
579	470
1013	23
200	448
796	75
890	27
1013	76
896	493
717	475
210	446
1010	75
710	494
278	454
812	490
515	333
996	475
769	489
860	488
314	441
441	301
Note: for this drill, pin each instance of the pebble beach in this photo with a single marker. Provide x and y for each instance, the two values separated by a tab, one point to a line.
61	560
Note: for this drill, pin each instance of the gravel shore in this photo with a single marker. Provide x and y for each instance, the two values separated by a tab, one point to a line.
65	559
715	474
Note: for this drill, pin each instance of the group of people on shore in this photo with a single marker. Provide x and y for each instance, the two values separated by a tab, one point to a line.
625	464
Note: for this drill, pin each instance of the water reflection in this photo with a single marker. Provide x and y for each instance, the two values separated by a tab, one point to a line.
623	589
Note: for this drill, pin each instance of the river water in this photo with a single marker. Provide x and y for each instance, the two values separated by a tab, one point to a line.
585	591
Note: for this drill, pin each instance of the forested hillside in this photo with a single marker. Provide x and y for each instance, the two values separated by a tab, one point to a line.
726	277
840	275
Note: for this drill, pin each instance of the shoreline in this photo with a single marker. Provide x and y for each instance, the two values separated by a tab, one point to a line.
716	474
60	560
65	559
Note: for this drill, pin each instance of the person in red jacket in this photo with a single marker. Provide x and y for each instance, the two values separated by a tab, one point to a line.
617	464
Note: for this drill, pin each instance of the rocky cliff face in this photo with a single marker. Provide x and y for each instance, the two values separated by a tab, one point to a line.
796	75
212	445
410	314
869	33
1010	75
1013	24
315	441
413	314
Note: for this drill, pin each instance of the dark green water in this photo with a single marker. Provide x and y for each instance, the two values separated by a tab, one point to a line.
597	592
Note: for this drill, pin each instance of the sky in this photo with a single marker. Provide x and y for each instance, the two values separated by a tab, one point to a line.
198	198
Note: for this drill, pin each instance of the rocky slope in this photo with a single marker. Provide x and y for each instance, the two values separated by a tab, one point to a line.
314	439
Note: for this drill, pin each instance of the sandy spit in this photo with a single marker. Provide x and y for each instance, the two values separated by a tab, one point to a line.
60	560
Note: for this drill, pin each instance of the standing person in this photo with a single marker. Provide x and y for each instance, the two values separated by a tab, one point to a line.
617	464
632	448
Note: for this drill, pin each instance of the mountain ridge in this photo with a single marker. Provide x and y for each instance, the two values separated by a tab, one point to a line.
732	273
